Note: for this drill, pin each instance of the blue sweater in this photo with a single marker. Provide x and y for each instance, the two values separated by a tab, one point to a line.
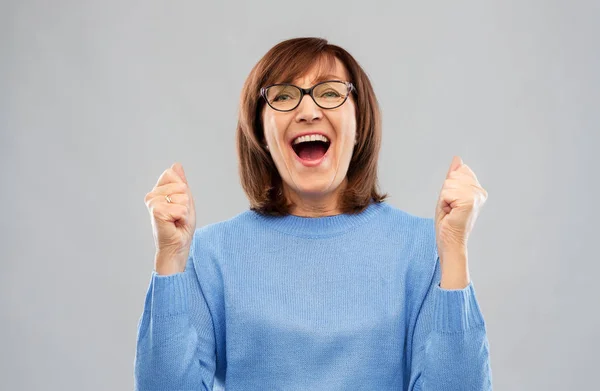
345	302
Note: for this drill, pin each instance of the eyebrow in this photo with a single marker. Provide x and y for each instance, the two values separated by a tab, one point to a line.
328	77
319	79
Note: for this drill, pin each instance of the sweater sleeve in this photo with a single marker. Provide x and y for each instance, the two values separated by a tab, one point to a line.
176	340
450	344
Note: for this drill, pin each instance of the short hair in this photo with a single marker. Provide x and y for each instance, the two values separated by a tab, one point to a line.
259	177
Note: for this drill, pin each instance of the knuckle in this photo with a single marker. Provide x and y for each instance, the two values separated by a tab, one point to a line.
150	202
181	187
184	209
148	197
173	177
175	187
154	208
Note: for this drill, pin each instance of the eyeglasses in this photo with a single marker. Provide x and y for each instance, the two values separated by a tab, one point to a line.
327	94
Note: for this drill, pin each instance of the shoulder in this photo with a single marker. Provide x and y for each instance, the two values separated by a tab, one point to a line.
402	216
410	229
414	238
214	235
208	244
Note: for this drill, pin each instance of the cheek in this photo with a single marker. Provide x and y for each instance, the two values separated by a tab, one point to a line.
347	127
273	125
270	129
267	122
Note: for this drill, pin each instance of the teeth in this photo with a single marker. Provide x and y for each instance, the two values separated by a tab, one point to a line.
310	137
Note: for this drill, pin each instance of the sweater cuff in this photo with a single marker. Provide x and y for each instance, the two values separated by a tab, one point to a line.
456	310
170	293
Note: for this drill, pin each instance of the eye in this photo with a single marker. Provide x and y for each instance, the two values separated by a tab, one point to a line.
281	97
330	94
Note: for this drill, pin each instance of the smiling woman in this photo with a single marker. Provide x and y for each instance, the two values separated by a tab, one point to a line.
309	132
321	284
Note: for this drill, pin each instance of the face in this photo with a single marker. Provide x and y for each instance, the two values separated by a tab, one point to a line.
312	180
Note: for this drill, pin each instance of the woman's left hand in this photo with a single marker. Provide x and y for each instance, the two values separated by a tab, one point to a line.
458	206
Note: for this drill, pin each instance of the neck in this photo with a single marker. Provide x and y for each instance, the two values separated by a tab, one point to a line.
320	205
306	208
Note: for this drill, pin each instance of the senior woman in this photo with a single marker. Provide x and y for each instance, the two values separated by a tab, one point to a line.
320	284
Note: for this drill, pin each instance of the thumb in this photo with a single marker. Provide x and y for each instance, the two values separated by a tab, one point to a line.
178	168
456	163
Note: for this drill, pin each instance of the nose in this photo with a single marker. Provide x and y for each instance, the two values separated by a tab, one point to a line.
308	110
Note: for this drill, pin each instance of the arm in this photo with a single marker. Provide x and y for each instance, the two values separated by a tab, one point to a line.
450	345
176	341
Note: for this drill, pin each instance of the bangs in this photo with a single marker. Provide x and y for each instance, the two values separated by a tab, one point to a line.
291	66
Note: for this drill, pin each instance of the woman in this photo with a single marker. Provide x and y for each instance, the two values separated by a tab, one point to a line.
321	284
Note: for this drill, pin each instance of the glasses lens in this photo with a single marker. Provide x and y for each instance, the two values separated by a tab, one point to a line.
330	94
284	97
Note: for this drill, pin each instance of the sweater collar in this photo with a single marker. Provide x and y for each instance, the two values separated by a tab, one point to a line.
319	226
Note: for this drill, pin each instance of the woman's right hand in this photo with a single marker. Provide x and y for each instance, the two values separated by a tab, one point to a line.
173	224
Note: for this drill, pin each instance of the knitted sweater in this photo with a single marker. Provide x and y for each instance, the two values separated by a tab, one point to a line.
344	302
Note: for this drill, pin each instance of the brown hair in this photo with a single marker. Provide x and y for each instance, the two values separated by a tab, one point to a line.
258	174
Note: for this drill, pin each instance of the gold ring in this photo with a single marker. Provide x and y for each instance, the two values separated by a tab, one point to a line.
168	199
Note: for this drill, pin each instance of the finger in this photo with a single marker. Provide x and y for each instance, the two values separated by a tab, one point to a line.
461	198
180	199
176	199
168	211
444	203
168	176
168	189
449	195
465	168
454	183
172	188
456	163
178	168
462	175
192	203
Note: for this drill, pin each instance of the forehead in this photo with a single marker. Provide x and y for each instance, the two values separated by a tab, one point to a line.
322	70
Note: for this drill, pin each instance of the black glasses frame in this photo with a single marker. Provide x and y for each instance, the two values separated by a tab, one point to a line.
308	91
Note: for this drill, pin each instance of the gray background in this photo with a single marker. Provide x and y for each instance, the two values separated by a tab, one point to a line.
98	98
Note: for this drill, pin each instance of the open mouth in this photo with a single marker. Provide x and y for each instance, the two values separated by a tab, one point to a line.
311	150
